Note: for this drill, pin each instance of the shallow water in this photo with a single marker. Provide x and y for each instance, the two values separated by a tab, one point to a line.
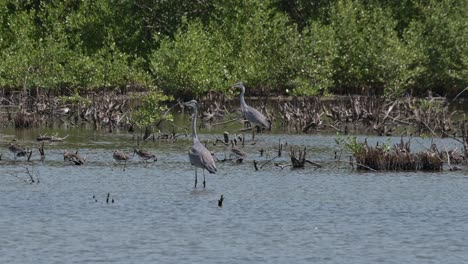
327	215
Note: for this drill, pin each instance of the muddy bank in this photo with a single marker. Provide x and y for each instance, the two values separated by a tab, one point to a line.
348	114
405	117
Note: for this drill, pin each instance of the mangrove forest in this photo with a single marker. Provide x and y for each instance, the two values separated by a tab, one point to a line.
189	48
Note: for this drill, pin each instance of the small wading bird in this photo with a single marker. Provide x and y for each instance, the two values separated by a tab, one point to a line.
120	156
199	156
255	118
145	155
73	158
17	150
237	152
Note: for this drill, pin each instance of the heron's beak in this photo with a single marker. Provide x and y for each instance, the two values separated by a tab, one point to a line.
236	85
188	104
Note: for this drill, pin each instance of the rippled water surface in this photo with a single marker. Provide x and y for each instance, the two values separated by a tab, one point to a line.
328	215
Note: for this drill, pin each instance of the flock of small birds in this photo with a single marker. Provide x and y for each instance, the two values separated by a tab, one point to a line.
76	159
143	154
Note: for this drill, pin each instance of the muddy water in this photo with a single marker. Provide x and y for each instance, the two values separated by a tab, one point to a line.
327	215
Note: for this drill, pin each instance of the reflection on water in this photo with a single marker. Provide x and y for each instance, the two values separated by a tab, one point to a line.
329	215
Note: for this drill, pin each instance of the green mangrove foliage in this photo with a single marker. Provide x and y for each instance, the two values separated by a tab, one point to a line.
370	56
189	64
188	48
152	109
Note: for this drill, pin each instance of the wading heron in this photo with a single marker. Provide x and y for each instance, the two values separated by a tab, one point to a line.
199	156
255	118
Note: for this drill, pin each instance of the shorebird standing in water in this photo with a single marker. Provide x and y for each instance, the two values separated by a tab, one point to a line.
199	156
73	158
120	156
237	152
145	155
17	150
255	118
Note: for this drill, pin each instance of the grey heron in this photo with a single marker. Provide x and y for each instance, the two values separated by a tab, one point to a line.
199	156
145	155
251	114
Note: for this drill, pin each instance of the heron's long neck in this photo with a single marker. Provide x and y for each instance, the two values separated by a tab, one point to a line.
242	100
194	124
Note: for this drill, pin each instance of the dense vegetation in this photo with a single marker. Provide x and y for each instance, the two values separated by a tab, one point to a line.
188	47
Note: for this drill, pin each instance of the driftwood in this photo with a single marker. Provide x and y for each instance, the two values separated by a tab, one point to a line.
298	158
50	138
300	114
380	115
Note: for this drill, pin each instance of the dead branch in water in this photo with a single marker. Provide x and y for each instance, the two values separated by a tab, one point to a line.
268	161
352	163
297	157
29	155
31	173
41	149
51	138
383	158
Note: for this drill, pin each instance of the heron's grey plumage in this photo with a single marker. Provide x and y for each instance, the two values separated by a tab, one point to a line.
199	156
251	114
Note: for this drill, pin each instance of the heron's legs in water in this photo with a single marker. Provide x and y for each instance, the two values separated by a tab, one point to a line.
204	182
